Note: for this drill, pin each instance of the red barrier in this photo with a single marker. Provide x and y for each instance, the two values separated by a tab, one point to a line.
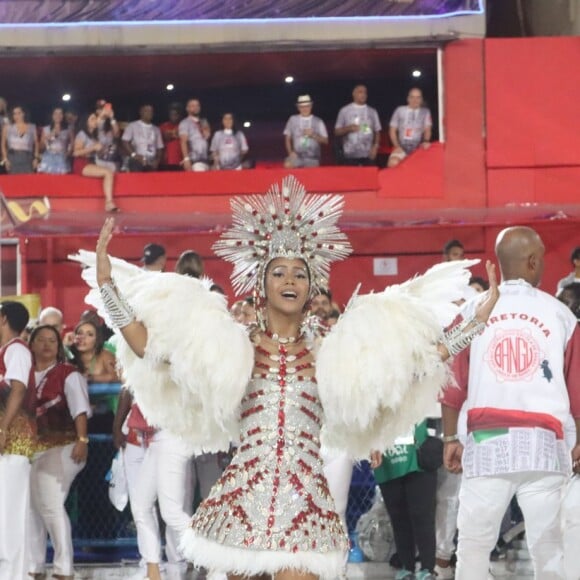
321	180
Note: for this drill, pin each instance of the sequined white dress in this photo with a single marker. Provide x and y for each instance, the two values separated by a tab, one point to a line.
271	509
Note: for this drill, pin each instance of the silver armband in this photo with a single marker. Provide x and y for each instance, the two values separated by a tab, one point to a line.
457	338
119	311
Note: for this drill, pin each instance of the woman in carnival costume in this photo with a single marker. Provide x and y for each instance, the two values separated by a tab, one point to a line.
202	376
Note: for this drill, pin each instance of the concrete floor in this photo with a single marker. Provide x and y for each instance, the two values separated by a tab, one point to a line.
520	570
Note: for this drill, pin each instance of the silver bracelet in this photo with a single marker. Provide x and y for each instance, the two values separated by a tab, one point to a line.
119	311
457	338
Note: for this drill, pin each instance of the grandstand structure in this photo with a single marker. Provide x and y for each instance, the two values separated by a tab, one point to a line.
504	154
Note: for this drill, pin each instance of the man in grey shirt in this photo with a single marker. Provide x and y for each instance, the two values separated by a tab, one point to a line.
194	132
410	127
304	133
360	129
142	142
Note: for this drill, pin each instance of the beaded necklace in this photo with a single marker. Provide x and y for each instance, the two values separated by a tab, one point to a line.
280	359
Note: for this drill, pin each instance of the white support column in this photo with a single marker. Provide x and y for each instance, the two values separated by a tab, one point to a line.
441	94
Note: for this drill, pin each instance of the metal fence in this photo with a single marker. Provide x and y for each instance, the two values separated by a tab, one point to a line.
97	525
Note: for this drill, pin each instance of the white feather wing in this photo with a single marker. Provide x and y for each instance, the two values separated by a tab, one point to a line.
379	371
198	360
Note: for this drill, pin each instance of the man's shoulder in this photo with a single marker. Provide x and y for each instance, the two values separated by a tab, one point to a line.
550	304
130	127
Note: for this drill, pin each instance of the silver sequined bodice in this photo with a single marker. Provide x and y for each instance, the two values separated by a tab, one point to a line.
274	496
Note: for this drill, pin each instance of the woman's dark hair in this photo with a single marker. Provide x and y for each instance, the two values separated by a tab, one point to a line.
189	263
63	124
84	126
99	343
60	354
479	280
24	113
107	125
234	126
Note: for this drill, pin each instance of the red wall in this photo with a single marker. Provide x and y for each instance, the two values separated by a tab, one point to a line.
533	126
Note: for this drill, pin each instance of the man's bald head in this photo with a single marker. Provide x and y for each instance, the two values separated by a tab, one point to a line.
520	252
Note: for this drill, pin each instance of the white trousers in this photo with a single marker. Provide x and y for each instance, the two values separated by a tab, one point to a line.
160	473
446	511
14	508
571	523
338	473
51	477
482	504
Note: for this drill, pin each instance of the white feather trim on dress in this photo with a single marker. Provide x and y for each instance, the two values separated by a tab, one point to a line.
197	362
378	370
247	562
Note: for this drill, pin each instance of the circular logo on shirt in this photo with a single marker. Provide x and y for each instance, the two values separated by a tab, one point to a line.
513	355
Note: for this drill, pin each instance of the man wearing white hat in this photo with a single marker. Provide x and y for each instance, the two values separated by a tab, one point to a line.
304	133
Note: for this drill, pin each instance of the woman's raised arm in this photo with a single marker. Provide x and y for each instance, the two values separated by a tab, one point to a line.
134	332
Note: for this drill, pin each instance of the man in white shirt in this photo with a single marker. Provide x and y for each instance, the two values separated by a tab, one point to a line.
194	133
520	384
143	142
17	440
574	276
360	129
304	134
409	128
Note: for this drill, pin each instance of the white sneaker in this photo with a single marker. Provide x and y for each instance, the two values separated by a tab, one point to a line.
444	573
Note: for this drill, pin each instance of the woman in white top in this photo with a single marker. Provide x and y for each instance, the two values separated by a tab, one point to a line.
228	146
56	145
86	147
19	144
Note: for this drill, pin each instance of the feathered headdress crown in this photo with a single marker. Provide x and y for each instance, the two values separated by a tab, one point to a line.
283	223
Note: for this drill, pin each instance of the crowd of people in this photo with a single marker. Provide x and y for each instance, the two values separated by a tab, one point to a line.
97	145
46	373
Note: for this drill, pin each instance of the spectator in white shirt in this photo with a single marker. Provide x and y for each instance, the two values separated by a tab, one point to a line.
228	146
360	129
194	132
143	142
410	127
304	134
